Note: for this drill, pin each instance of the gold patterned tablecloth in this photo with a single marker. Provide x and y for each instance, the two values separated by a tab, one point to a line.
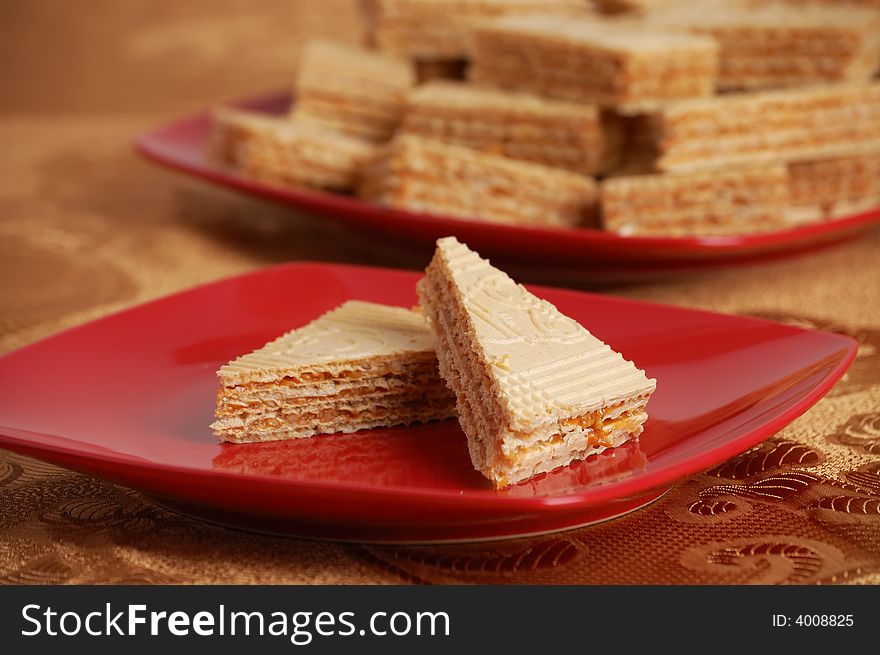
86	228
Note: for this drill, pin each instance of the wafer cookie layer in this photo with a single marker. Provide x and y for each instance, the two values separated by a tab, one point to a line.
534	389
739	201
769	126
520	126
438	29
284	152
354	91
829	188
781	45
620	64
423	175
359	366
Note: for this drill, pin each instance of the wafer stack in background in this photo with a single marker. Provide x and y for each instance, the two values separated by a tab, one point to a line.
434	33
277	151
534	389
351	90
769	126
362	365
828	188
776	45
423	175
554	133
557	88
738	201
621	64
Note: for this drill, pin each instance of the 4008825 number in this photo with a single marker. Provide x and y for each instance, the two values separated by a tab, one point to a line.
824	620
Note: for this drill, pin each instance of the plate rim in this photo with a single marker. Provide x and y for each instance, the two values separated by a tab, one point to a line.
28	442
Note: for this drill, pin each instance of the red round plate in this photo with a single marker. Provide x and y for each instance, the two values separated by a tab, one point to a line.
129	398
580	253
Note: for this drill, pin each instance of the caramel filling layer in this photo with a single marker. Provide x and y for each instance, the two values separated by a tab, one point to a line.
597	428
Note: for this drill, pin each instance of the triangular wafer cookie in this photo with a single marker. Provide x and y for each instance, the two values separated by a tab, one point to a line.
535	390
362	365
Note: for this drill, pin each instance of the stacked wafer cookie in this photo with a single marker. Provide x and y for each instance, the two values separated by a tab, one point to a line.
438	30
347	89
620	64
278	151
786	125
359	366
737	201
534	389
833	187
520	126
749	162
777	45
424	175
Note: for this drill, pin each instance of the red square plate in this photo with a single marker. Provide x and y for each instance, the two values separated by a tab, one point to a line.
129	398
538	252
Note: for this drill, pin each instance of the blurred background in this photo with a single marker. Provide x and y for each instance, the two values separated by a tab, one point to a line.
85	225
169	56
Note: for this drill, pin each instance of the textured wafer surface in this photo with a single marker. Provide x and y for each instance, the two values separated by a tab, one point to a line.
343	419
449	96
547	364
359	366
837	186
835	179
736	201
605	35
438	29
352	90
233	129
521	126
368	71
285	152
534	389
768	126
778	44
354	331
615	63
425	175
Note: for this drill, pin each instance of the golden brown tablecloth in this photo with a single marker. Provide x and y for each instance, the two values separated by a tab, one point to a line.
86	228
